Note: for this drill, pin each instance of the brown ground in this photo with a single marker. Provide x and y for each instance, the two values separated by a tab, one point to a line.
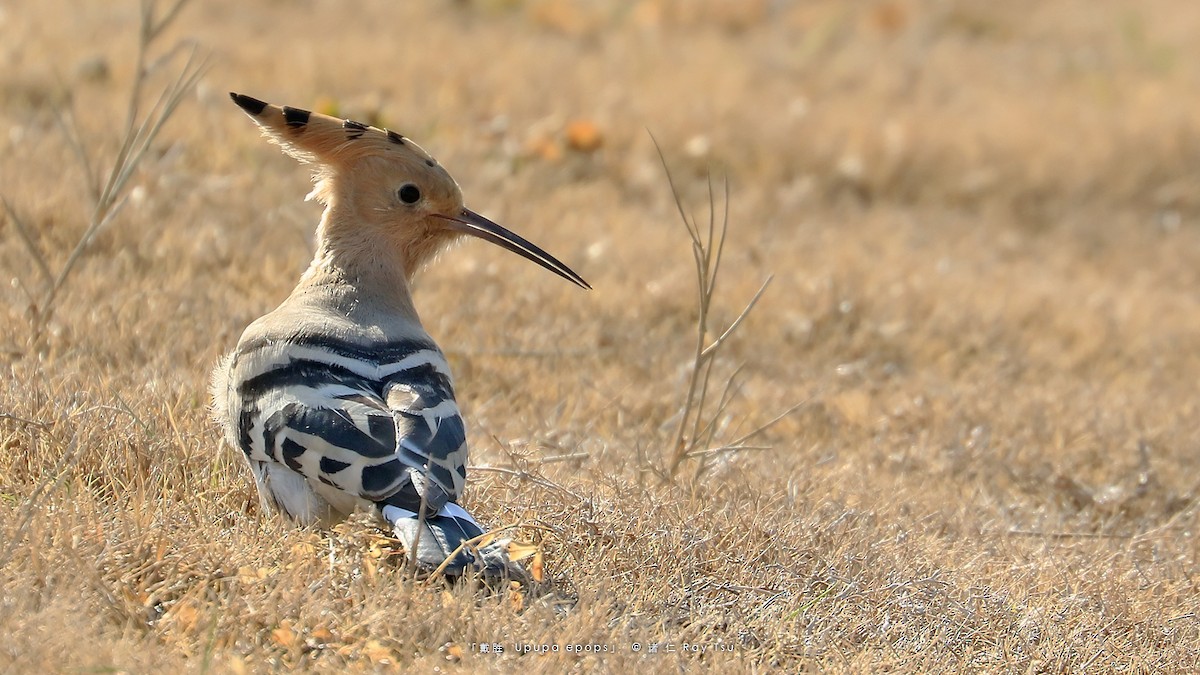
982	222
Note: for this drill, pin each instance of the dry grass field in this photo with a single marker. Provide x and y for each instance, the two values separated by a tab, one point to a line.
983	222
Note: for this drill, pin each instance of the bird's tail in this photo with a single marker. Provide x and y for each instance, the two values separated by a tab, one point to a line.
432	541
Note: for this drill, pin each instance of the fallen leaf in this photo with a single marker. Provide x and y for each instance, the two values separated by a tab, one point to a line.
184	615
302	549
519	550
855	406
237	666
584	136
378	652
536	567
284	636
543	148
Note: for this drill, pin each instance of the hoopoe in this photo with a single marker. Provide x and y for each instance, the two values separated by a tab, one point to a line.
338	398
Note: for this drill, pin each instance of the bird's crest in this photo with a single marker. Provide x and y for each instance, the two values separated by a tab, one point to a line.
328	142
391	180
316	138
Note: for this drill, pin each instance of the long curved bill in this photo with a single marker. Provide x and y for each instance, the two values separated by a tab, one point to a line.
469	222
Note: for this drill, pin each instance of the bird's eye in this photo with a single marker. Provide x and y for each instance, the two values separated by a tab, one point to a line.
409	193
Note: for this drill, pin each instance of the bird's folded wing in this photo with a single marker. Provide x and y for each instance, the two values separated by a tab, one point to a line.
392	442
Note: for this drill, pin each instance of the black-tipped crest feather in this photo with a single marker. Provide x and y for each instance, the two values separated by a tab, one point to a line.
250	104
296	117
316	138
354	129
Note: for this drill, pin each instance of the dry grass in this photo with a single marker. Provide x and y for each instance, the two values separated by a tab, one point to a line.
982	223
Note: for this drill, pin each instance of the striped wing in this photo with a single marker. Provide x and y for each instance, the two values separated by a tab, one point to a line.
378	422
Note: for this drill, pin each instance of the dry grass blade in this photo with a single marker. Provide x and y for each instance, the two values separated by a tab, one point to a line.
708	247
522	550
138	138
471	543
140	132
27	239
527	476
716	344
29	507
68	126
23	420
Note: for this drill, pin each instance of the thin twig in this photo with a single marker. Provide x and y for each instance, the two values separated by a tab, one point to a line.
677	446
473	543
158	27
732	388
1069	535
23	420
776	420
61	279
27	239
416	544
525	475
716	344
706	366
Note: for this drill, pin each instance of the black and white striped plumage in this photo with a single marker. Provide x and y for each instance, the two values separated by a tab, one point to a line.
339	416
338	398
377	421
330	424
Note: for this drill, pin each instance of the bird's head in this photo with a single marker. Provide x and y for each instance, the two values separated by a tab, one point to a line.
381	189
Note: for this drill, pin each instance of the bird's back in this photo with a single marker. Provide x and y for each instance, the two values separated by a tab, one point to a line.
356	400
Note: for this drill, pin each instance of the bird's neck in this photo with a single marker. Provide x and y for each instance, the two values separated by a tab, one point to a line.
353	268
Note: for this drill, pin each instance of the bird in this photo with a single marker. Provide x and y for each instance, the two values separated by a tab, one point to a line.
339	399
